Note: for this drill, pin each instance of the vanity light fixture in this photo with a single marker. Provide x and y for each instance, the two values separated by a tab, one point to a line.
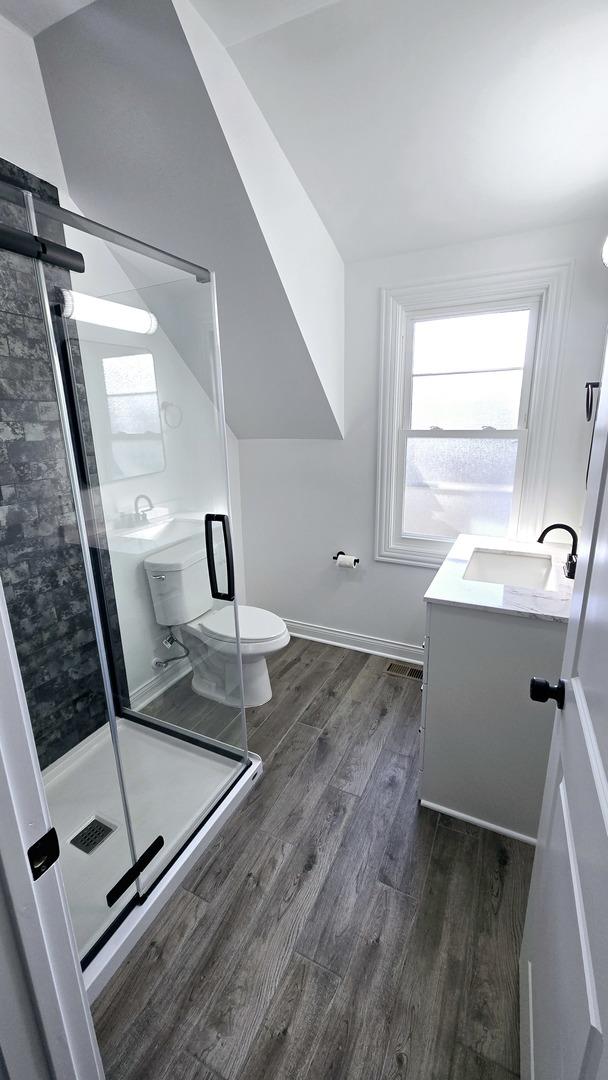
92	309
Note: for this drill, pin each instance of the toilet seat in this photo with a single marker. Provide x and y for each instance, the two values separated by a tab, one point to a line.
255	625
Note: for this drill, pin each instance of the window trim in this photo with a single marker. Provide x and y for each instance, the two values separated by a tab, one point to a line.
549	287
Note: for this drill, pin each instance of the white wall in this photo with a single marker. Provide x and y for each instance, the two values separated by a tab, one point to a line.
27	137
303	500
306	258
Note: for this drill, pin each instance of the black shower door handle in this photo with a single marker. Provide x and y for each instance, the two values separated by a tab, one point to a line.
225	522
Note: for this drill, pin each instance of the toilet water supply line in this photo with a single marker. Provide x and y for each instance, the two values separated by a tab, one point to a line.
170	640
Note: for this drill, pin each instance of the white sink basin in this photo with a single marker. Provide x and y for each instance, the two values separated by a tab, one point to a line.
157	530
155	535
524	569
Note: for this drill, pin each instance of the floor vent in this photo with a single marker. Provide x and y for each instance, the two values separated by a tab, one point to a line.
403	671
92	835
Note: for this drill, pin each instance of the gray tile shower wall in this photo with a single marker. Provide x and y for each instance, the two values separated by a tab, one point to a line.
41	563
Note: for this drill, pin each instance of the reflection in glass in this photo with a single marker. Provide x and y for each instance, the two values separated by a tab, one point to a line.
134	415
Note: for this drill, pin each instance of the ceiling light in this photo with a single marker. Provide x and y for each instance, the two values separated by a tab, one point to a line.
92	309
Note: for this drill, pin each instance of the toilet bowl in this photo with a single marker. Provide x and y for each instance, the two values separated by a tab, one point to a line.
181	595
211	639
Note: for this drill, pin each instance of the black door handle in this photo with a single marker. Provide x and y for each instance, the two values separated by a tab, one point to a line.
541	690
225	523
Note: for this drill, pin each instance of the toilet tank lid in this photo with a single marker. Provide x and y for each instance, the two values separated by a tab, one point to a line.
178	556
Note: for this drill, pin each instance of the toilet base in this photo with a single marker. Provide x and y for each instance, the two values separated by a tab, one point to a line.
216	678
216	673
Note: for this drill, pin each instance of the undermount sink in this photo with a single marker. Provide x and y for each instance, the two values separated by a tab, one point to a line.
523	569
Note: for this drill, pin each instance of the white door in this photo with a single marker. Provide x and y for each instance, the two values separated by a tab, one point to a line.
46	1030
564	958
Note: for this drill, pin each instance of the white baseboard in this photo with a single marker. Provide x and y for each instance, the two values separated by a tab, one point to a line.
394	650
477	821
156	684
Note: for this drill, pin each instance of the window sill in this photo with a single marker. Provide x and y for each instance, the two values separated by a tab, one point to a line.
425	554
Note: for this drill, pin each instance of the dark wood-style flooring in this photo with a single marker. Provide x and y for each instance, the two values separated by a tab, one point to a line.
335	930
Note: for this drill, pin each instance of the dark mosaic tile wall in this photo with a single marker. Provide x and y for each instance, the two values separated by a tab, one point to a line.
40	560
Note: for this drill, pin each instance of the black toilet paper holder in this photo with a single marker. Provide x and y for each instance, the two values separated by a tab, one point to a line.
334	557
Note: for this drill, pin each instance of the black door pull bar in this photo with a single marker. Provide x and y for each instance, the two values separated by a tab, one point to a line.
224	520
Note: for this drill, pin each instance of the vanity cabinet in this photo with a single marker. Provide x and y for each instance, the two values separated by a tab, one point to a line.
485	745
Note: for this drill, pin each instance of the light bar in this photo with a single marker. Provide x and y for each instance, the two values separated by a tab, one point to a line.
92	309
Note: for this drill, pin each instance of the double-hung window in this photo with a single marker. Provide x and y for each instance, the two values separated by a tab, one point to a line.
456	416
467	383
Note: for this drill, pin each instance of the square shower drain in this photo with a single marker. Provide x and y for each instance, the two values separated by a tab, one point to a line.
404	671
92	835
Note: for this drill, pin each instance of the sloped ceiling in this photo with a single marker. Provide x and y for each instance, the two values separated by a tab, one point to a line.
143	151
36	15
236	20
415	124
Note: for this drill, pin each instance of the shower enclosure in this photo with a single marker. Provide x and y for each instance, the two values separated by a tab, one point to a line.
132	342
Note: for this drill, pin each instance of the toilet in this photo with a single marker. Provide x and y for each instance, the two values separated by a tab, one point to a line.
181	595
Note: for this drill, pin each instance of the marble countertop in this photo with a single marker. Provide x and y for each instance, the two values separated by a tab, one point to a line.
449	586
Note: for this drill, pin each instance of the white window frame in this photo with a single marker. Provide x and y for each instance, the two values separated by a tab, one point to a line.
546	291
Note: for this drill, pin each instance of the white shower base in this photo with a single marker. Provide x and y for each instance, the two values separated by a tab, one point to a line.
171	786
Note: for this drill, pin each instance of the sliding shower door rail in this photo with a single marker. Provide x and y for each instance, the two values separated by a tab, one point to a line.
112	236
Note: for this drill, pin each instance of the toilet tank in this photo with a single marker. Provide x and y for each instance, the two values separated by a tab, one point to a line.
179	582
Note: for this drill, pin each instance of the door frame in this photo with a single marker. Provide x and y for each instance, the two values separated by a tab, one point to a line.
39	909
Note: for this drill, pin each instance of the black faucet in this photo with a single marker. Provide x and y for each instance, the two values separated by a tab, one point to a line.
570	563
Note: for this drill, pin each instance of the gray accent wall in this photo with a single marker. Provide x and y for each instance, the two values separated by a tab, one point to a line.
41	563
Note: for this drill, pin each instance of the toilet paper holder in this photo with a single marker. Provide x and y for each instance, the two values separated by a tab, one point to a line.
335	557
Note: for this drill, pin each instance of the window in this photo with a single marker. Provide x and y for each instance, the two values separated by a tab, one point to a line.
466	411
459	401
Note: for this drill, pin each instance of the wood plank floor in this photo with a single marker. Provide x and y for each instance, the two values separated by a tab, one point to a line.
335	930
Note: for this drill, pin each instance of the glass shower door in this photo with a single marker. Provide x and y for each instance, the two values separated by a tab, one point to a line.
137	339
44	578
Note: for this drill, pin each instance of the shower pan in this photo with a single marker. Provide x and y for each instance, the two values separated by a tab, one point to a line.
133	344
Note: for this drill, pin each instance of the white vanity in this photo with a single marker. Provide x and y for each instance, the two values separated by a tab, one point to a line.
496	614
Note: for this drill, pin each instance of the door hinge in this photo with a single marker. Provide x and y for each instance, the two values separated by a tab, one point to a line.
43	853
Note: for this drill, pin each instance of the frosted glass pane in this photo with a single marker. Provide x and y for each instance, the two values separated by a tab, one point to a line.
132	374
471	342
457	486
134	414
489	399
